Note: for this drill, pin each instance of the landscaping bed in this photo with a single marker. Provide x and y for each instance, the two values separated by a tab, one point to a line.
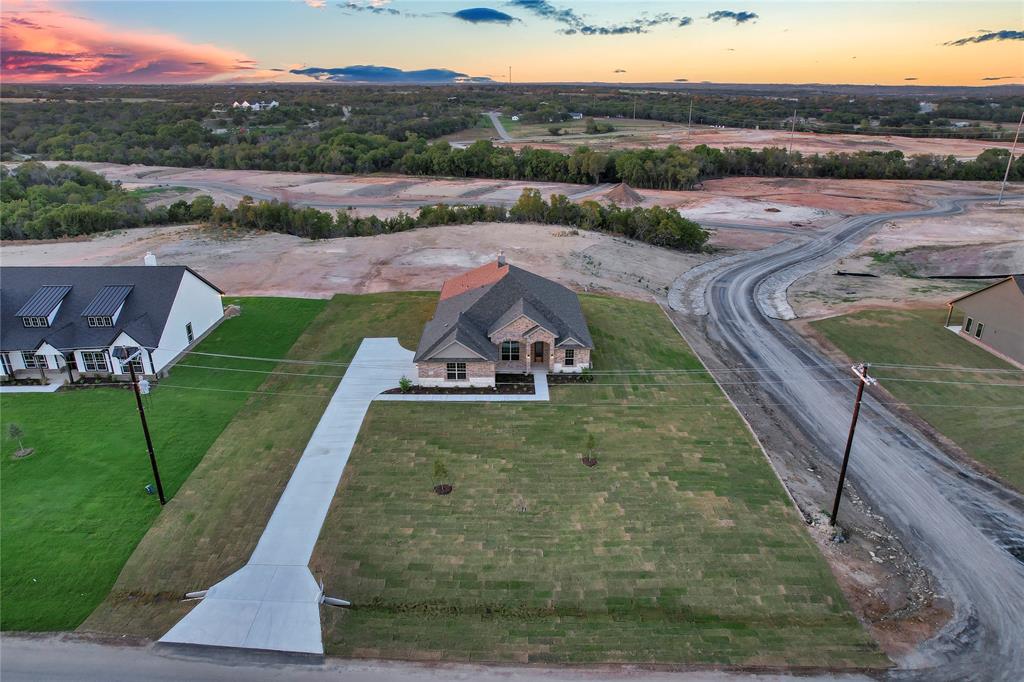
567	378
504	384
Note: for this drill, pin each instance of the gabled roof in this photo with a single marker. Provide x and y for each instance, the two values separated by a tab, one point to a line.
107	300
143	316
43	302
1017	279
473	315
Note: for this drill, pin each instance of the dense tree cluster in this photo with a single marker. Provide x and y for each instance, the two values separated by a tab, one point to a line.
658	226
37	202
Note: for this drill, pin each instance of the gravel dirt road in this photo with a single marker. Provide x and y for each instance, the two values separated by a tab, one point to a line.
966	530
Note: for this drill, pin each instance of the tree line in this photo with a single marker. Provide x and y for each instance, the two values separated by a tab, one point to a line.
37	202
656	225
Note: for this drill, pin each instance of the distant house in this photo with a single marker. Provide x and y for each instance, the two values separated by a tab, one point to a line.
65	322
993	318
501	319
256	106
576	116
515	117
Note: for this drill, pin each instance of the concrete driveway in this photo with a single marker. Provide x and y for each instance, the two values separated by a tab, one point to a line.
273	602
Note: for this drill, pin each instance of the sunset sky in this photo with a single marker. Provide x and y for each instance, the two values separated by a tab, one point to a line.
142	41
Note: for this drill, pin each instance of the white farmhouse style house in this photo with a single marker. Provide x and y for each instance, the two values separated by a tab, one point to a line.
63	323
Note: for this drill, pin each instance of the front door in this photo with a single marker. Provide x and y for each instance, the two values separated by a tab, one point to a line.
538	352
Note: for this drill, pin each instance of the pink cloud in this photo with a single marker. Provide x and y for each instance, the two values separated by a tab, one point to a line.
43	45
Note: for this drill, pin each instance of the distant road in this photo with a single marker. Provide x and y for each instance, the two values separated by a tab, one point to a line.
496	122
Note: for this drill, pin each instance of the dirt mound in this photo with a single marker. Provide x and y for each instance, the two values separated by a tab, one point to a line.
623	195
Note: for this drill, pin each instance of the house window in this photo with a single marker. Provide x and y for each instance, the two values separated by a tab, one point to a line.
33	361
967	325
94	361
570	357
188	332
6	362
136	364
977	332
35	321
100	321
509	351
456	371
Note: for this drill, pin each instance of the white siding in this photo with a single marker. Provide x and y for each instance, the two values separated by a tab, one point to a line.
115	365
196	302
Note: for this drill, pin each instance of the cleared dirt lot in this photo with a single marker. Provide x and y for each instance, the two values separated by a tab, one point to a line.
985	240
661	134
772	208
282	265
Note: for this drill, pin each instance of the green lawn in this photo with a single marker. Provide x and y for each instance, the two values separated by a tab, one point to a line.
974	416
209	530
679	547
72	513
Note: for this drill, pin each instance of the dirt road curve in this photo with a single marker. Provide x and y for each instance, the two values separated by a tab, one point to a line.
964	528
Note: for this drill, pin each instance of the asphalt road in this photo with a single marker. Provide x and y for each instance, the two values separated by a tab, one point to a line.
496	122
961	526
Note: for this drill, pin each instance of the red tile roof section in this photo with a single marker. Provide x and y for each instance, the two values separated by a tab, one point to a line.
482	276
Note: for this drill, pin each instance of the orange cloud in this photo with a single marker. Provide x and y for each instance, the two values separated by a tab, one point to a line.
47	44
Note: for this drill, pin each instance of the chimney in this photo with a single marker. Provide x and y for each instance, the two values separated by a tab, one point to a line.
150	259
501	259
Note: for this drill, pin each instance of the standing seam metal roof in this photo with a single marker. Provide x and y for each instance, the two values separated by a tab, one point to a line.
107	300
44	301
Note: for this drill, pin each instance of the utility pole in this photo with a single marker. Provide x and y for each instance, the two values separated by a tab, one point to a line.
1010	160
689	119
510	77
861	372
792	134
142	416
634	107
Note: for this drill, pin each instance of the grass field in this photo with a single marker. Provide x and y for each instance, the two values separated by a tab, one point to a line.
679	547
72	512
211	527
970	411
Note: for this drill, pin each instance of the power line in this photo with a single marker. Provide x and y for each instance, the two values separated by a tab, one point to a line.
708	383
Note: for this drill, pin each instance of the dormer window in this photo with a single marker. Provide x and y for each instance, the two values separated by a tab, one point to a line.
35	321
100	321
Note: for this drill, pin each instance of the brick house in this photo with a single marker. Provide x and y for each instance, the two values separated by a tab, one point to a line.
500	319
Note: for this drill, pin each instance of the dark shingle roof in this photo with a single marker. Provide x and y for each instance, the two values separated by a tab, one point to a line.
471	316
107	300
44	301
143	317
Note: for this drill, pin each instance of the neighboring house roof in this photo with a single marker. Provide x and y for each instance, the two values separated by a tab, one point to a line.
44	301
146	292
473	314
1017	279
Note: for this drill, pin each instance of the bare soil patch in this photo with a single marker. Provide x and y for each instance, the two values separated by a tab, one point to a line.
282	265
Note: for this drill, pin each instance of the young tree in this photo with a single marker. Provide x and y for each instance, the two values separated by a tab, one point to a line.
14	432
590	451
442	486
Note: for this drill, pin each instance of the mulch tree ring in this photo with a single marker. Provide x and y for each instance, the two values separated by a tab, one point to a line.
589	461
443	489
22	453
